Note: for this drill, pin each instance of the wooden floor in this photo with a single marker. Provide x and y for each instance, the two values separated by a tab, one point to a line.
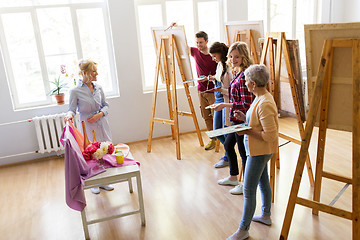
182	198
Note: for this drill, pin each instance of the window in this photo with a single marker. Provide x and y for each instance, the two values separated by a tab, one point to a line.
37	37
285	16
195	15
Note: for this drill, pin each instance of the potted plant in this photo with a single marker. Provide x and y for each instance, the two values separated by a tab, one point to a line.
60	84
57	90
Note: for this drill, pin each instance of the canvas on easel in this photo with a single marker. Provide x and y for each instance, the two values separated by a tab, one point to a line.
173	64
315	35
246	31
334	90
321	100
183	50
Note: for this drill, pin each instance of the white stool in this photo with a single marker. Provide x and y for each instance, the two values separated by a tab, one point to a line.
115	175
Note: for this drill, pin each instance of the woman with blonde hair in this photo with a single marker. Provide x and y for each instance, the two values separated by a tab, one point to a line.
239	99
89	100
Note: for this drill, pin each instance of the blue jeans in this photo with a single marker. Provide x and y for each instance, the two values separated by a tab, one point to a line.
256	173
219	122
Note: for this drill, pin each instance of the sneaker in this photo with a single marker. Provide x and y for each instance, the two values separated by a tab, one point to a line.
95	190
238	190
221	163
210	145
226	181
107	187
261	219
239	235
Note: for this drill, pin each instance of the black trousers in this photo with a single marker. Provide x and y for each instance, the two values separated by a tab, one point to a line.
230	141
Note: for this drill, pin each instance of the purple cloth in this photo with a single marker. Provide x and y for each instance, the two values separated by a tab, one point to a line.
77	169
110	161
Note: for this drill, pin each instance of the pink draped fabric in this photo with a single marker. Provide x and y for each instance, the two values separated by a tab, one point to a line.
77	169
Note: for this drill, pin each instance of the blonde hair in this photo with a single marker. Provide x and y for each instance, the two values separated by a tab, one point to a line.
243	50
86	65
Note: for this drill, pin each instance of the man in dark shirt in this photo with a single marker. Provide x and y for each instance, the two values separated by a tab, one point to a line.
205	66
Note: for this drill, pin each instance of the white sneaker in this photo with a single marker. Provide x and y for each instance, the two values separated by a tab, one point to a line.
238	190
261	219
95	190
107	187
222	163
226	181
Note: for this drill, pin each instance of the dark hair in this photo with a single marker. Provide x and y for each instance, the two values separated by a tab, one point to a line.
202	34
221	48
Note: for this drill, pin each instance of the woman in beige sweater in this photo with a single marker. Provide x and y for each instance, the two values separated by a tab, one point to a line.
261	141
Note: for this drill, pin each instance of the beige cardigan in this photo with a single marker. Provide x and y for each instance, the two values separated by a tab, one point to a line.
264	118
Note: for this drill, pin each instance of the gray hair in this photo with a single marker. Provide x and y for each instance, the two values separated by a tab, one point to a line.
257	73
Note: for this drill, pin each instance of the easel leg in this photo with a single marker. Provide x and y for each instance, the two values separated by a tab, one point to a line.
306	140
273	161
272	66
322	132
174	95
168	90
277	161
188	96
356	140
151	128
296	102
217	146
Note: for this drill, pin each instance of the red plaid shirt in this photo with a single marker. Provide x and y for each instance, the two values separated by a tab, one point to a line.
239	95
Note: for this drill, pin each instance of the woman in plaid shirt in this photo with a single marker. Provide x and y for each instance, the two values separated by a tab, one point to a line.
240	99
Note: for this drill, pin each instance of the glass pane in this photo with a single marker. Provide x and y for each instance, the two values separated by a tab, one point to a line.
182	13
24	59
94	44
281	17
25	3
56	31
209	20
149	16
257	10
68	64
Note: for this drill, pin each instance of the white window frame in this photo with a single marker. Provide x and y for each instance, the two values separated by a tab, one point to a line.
267	22
41	56
294	16
189	38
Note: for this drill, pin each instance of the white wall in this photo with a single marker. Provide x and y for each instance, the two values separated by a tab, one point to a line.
129	114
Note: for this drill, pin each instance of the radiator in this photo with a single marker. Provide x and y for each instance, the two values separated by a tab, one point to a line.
48	131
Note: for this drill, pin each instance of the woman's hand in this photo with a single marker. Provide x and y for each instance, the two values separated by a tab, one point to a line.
94	118
218	107
247	132
211	78
239	115
217	89
203	79
69	118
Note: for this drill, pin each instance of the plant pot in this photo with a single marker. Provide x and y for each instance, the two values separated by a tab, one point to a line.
60	98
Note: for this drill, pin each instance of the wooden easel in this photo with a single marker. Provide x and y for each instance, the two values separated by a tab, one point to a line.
281	45
163	61
247	36
321	93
